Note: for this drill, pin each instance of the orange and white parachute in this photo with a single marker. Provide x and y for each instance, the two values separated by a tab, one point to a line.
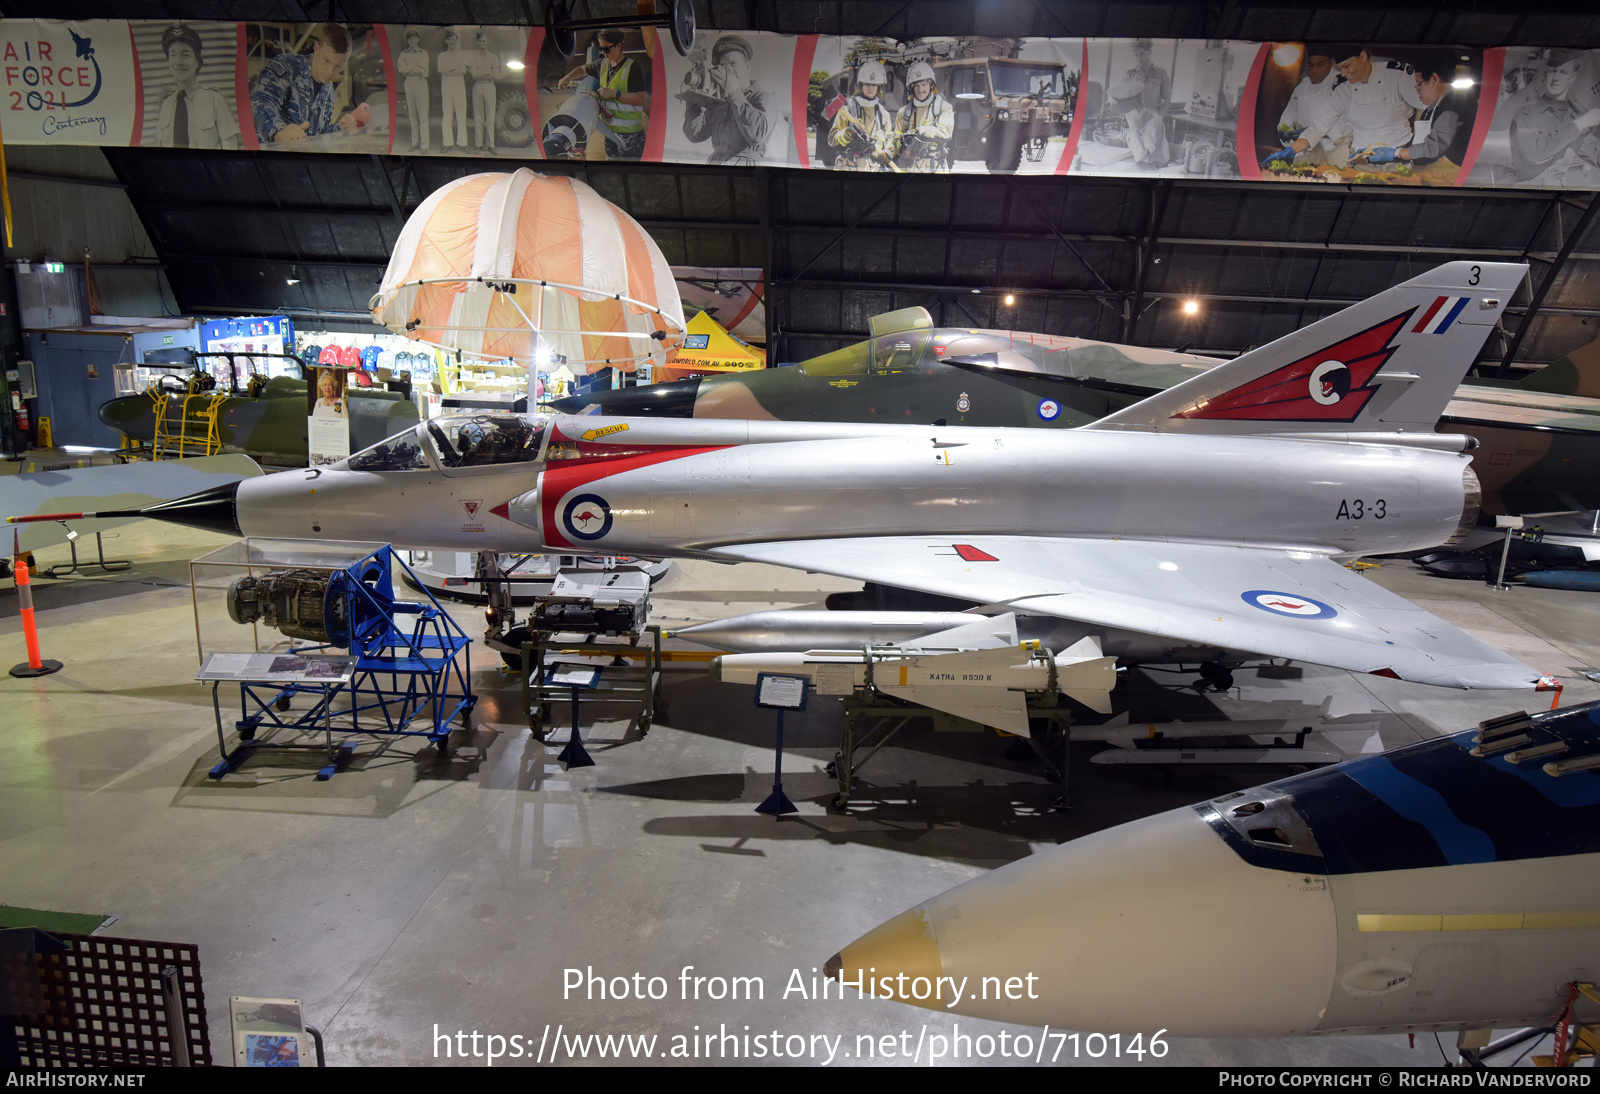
535	268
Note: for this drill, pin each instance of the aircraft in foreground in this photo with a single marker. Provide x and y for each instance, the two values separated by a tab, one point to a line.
1449	884
1216	513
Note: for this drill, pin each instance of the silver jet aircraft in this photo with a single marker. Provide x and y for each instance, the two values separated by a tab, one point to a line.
1216	513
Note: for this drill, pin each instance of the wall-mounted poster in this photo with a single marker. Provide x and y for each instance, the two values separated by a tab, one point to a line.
1292	111
966	104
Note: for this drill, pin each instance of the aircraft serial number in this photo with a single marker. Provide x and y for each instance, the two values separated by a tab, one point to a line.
1356	509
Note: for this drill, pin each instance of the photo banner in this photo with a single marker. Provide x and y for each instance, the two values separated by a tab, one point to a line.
1269	112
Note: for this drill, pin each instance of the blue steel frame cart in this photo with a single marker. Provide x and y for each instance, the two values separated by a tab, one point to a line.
410	670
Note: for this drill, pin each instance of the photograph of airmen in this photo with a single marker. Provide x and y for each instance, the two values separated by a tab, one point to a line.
1167	107
460	90
955	104
1341	112
187	70
414	66
1546	126
729	101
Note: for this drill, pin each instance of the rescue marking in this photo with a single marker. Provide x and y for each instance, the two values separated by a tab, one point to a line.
1300	607
596	434
586	517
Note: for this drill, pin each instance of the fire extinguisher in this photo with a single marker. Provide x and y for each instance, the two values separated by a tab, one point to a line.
20	408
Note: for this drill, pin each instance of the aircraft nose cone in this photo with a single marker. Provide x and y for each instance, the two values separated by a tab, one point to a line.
674	400
1135	928
214	510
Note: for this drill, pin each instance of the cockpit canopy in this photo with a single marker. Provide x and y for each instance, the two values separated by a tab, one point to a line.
458	441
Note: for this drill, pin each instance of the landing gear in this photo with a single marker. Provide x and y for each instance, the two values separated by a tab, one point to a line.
1215	676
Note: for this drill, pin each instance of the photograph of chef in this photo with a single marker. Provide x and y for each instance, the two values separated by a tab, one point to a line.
1443	130
624	94
294	94
1376	100
924	125
453	92
192	116
484	67
413	64
1312	104
863	128
736	119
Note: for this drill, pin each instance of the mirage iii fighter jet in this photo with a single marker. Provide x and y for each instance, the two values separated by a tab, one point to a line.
1215	513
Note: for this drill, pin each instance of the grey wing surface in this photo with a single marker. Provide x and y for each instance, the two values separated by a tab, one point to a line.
1274	602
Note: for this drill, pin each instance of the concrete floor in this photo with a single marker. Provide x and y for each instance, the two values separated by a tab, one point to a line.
406	899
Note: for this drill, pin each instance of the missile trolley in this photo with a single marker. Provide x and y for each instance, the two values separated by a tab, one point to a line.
973	675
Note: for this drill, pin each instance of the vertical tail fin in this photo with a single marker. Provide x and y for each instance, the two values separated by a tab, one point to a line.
1388	364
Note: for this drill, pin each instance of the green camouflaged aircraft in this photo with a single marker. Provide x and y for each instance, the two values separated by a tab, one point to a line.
269	426
1540	436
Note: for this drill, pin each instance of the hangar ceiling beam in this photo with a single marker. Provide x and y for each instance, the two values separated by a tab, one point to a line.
1056	231
1585	220
1156	206
852	284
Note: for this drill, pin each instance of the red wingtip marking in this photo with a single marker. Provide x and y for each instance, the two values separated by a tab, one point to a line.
972	554
1390	673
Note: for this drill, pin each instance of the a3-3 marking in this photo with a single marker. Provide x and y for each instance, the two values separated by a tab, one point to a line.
1357	509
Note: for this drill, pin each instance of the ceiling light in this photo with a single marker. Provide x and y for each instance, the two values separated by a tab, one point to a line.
1286	55
1461	83
1191	307
291	281
1010	300
515	66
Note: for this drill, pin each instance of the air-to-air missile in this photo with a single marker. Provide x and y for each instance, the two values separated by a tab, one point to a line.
1215	513
977	670
1449	884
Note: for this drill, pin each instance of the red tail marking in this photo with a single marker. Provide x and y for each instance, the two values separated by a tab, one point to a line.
972	554
1284	393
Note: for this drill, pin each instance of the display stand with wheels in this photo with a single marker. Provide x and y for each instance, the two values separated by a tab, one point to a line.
409	664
